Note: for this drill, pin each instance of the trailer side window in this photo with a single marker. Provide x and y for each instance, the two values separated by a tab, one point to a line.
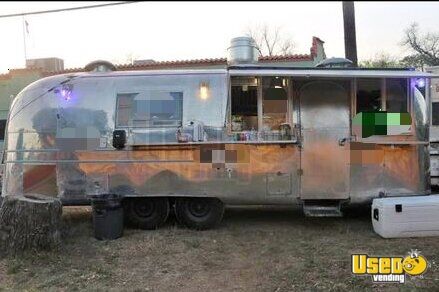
150	109
396	95
368	95
244	101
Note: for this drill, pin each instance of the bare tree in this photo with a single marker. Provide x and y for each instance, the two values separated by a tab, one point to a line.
287	47
425	46
130	57
127	59
270	41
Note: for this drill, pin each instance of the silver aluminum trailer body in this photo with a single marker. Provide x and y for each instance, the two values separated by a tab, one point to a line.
60	137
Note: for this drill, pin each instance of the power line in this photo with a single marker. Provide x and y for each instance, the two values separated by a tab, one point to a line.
67	9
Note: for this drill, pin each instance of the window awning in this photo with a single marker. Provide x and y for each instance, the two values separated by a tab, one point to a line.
339	72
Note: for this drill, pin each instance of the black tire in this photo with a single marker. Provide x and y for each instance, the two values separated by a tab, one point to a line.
146	213
199	213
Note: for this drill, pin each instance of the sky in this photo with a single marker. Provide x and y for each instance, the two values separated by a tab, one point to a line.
165	31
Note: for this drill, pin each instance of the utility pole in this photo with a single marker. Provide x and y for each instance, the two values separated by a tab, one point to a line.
24	41
350	40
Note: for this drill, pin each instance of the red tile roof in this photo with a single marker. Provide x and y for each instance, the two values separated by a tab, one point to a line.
197	62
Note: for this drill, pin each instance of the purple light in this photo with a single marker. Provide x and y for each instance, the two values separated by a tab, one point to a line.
420	82
66	91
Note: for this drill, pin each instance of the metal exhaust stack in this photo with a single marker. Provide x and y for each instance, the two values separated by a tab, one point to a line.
242	50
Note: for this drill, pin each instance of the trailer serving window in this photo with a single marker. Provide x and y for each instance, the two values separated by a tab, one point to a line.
260	104
376	94
274	103
150	109
369	95
396	95
244	104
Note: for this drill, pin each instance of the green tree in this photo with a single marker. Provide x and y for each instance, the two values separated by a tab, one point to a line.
381	60
414	60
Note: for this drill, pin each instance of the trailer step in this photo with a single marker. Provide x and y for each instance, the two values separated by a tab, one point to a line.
322	209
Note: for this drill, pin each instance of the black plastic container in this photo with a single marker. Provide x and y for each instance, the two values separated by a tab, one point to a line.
107	216
119	139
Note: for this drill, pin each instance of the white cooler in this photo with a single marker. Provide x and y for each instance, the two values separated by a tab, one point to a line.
406	216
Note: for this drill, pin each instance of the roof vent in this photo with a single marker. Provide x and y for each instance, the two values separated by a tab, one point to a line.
335	63
242	50
100	66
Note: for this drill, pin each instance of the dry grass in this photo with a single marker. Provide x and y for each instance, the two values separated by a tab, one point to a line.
254	249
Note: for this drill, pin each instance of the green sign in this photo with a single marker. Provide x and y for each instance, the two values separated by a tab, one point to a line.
366	124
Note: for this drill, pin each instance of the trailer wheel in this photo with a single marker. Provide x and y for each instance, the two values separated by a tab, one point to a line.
146	213
199	213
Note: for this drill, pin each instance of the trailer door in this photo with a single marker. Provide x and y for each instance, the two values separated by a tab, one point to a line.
325	124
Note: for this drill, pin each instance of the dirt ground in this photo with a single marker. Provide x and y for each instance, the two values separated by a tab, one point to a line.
254	249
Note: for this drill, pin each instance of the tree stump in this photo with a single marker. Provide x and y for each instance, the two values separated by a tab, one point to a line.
29	222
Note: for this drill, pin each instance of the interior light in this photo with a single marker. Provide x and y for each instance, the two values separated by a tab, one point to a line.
204	90
277	82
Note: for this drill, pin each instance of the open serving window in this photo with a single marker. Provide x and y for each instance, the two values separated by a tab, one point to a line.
379	94
260	108
388	109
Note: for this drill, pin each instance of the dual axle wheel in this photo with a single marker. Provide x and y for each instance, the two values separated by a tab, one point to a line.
152	212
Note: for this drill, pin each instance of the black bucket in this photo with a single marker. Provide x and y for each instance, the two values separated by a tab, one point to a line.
107	216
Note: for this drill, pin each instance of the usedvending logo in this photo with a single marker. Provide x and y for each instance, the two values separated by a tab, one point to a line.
390	269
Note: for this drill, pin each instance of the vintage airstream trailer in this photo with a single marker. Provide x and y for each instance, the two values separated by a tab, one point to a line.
198	140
